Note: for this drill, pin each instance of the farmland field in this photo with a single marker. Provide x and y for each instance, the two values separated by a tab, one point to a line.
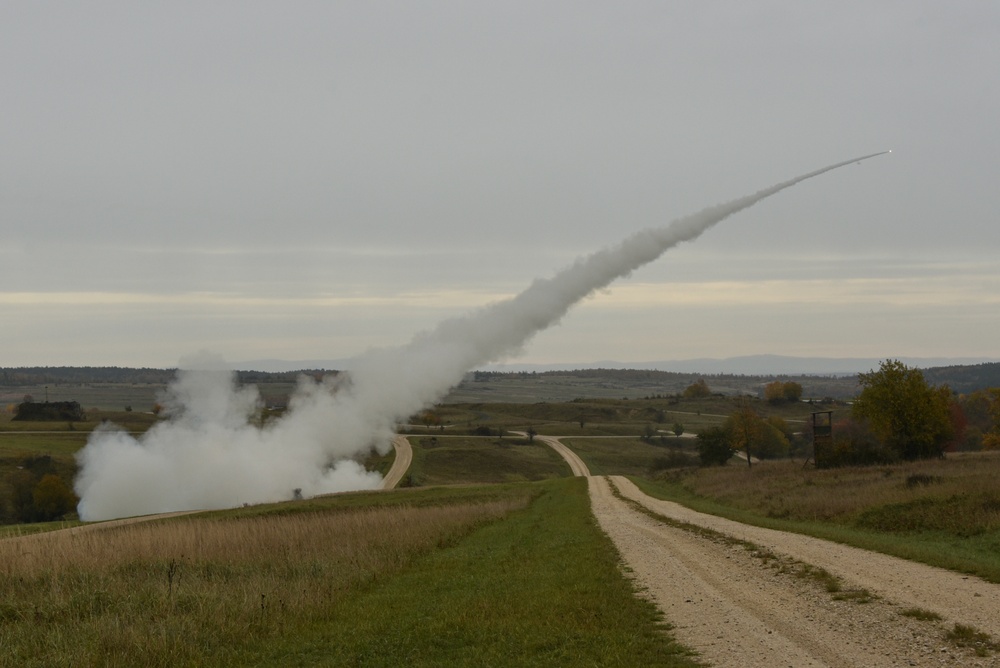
518	522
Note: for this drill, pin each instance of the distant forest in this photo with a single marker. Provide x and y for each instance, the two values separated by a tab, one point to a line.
965	379
961	379
81	375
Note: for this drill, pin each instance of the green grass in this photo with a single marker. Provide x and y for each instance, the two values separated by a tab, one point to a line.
541	588
462	460
977	554
621	456
411	497
604	417
100	396
17	530
57	445
340	580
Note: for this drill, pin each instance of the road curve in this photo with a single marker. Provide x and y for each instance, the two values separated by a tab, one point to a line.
404	457
576	464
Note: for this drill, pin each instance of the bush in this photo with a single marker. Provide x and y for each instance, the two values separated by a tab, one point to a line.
714	447
674	459
854	445
38	493
52	498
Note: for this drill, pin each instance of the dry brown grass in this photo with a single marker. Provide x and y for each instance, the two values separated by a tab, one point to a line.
358	536
787	490
167	592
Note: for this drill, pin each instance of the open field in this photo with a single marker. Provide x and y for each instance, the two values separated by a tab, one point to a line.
449	460
505	575
518	523
612	417
91	396
559	386
940	512
627	456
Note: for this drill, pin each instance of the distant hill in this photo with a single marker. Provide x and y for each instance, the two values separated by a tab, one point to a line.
821	376
756	365
69	375
47	375
966	378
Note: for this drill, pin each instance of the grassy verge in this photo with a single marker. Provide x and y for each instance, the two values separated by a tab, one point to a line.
486	575
541	588
749	497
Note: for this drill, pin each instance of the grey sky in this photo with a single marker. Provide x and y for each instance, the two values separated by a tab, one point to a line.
306	180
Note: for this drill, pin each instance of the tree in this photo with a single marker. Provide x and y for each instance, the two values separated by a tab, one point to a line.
22	483
697	390
714	447
776	439
793	391
779	392
991	439
758	437
648	434
430	419
774	393
745	429
52	498
678	429
905	413
854	445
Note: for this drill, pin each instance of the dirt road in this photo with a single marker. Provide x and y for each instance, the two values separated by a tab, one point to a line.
404	457
742	607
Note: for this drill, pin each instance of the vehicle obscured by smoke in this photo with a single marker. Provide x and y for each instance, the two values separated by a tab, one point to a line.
211	454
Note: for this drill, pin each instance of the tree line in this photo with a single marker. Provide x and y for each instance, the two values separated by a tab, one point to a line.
898	415
45	375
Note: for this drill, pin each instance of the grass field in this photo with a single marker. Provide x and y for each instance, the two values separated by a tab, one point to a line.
941	512
448	460
611	417
497	560
625	456
90	396
505	575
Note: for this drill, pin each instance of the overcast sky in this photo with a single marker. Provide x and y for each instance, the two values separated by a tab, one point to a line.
306	180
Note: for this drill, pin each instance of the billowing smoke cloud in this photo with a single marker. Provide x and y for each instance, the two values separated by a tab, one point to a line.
209	454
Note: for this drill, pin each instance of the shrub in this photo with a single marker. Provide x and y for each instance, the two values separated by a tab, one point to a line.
714	447
854	445
52	498
674	459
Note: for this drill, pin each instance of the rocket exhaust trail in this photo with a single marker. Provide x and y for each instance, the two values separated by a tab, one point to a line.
211	453
503	327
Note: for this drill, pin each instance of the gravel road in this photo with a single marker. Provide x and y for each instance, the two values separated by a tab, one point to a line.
742	607
404	456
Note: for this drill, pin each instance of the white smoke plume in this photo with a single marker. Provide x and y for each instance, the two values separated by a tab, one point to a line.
210	454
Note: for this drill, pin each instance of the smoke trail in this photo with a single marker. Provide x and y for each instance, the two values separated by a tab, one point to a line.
209	454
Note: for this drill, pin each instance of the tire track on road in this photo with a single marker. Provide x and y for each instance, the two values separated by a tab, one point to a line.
736	609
